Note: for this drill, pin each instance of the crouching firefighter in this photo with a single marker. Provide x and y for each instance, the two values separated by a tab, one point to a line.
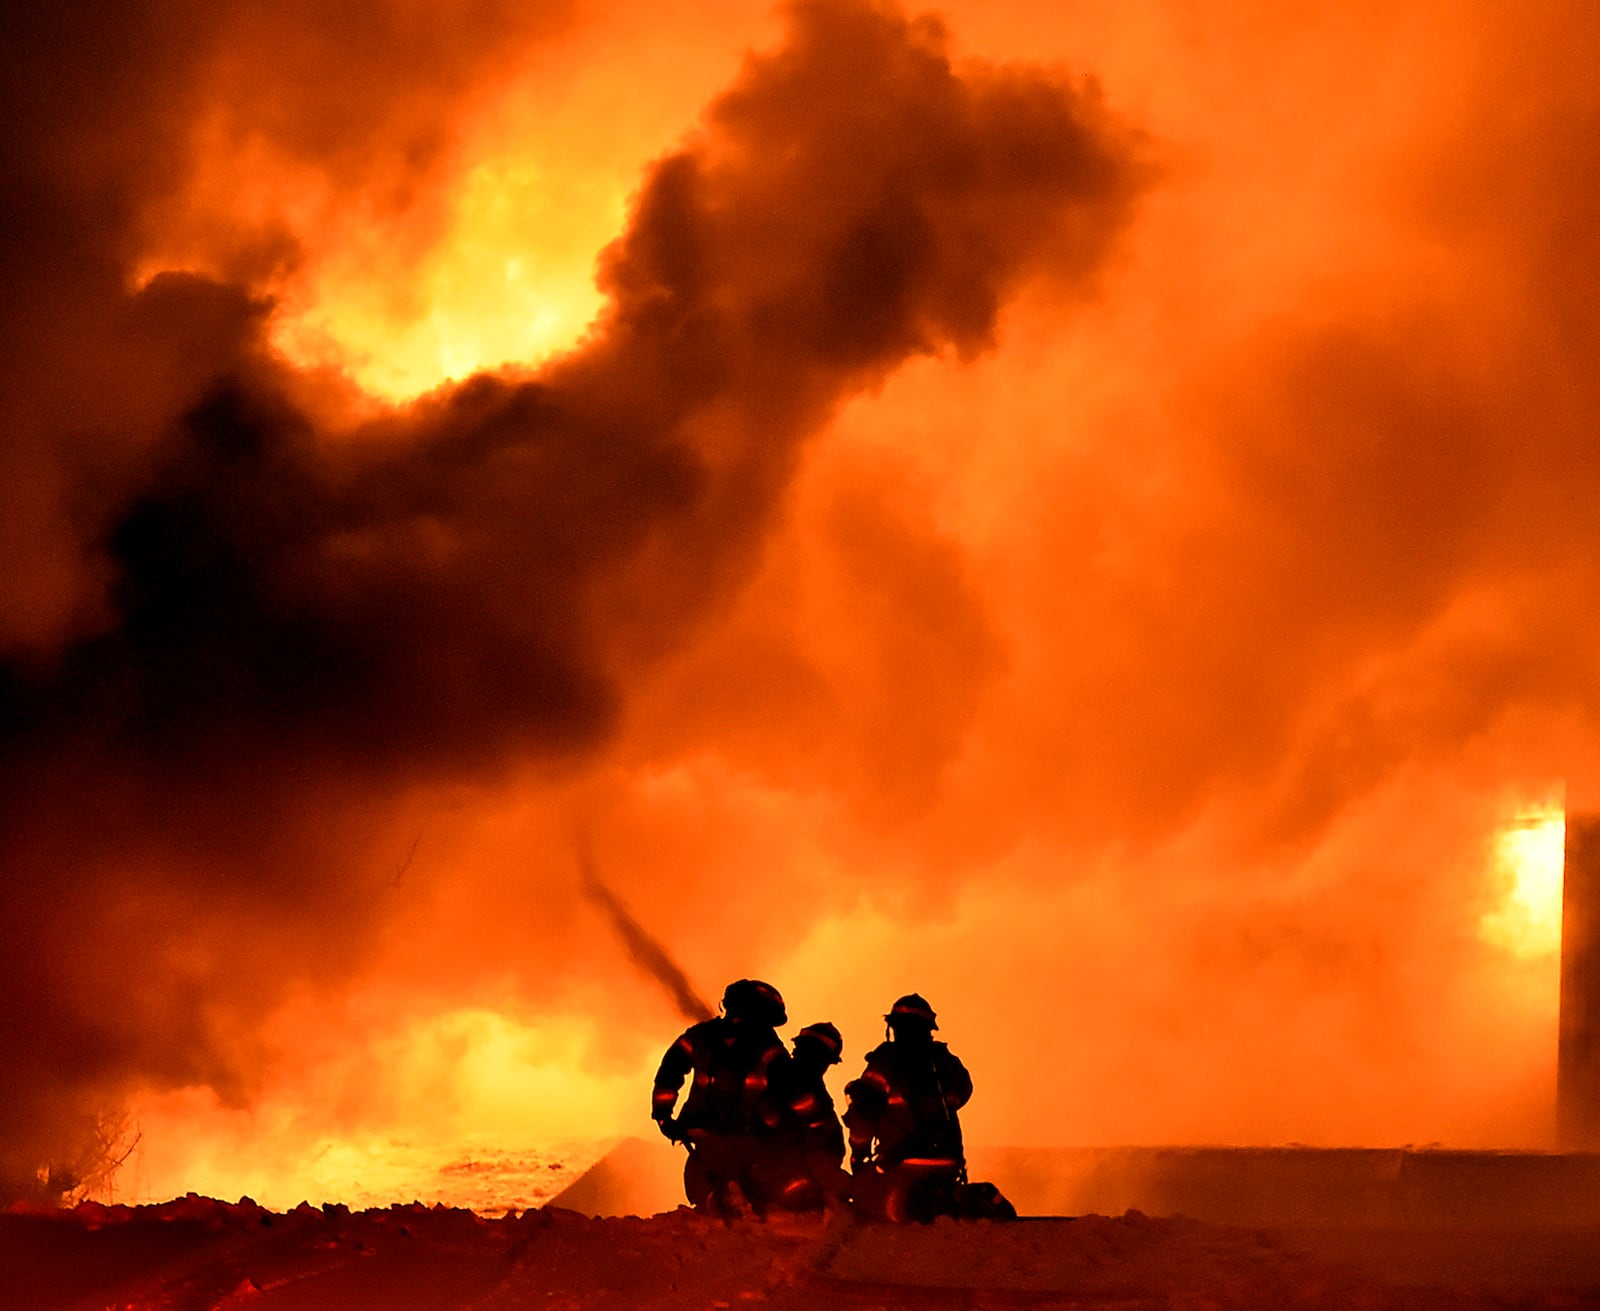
731	1118
906	1154
812	1140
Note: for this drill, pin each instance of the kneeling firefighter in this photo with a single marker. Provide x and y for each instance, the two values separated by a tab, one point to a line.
906	1154
731	1118
812	1143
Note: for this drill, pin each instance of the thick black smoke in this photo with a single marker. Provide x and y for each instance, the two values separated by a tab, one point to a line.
231	625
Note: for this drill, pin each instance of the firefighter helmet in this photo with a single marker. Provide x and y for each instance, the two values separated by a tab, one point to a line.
751	999
912	1009
825	1036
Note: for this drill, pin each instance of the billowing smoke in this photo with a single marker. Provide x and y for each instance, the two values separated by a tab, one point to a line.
1141	675
238	623
1211	637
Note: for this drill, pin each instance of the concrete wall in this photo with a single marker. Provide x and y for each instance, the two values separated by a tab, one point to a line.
1257	1186
1578	1072
1301	1186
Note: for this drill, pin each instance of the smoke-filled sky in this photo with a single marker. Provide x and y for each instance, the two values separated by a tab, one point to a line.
1087	516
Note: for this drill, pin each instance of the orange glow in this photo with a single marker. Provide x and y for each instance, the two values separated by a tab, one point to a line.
510	282
496	271
465	1107
1528	869
482	255
1132	650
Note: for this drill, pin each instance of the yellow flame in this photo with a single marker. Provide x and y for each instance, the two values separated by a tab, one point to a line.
511	282
500	272
467	1107
1527	866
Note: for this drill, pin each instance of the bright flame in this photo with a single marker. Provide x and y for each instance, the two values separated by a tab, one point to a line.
1528	866
511	282
496	269
468	1107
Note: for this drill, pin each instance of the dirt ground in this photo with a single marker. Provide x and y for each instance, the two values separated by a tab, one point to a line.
195	1254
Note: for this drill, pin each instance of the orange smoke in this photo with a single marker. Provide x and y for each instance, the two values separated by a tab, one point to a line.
1104	545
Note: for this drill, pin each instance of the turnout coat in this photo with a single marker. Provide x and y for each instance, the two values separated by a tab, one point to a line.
736	1070
905	1105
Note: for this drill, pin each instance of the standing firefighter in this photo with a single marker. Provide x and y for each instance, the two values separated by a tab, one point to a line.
731	1117
905	1135
812	1139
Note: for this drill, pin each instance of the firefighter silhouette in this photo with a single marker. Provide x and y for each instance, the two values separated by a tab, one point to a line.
732	1116
906	1155
811	1138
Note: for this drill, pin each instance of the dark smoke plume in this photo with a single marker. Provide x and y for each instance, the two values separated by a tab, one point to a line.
643	949
229	631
